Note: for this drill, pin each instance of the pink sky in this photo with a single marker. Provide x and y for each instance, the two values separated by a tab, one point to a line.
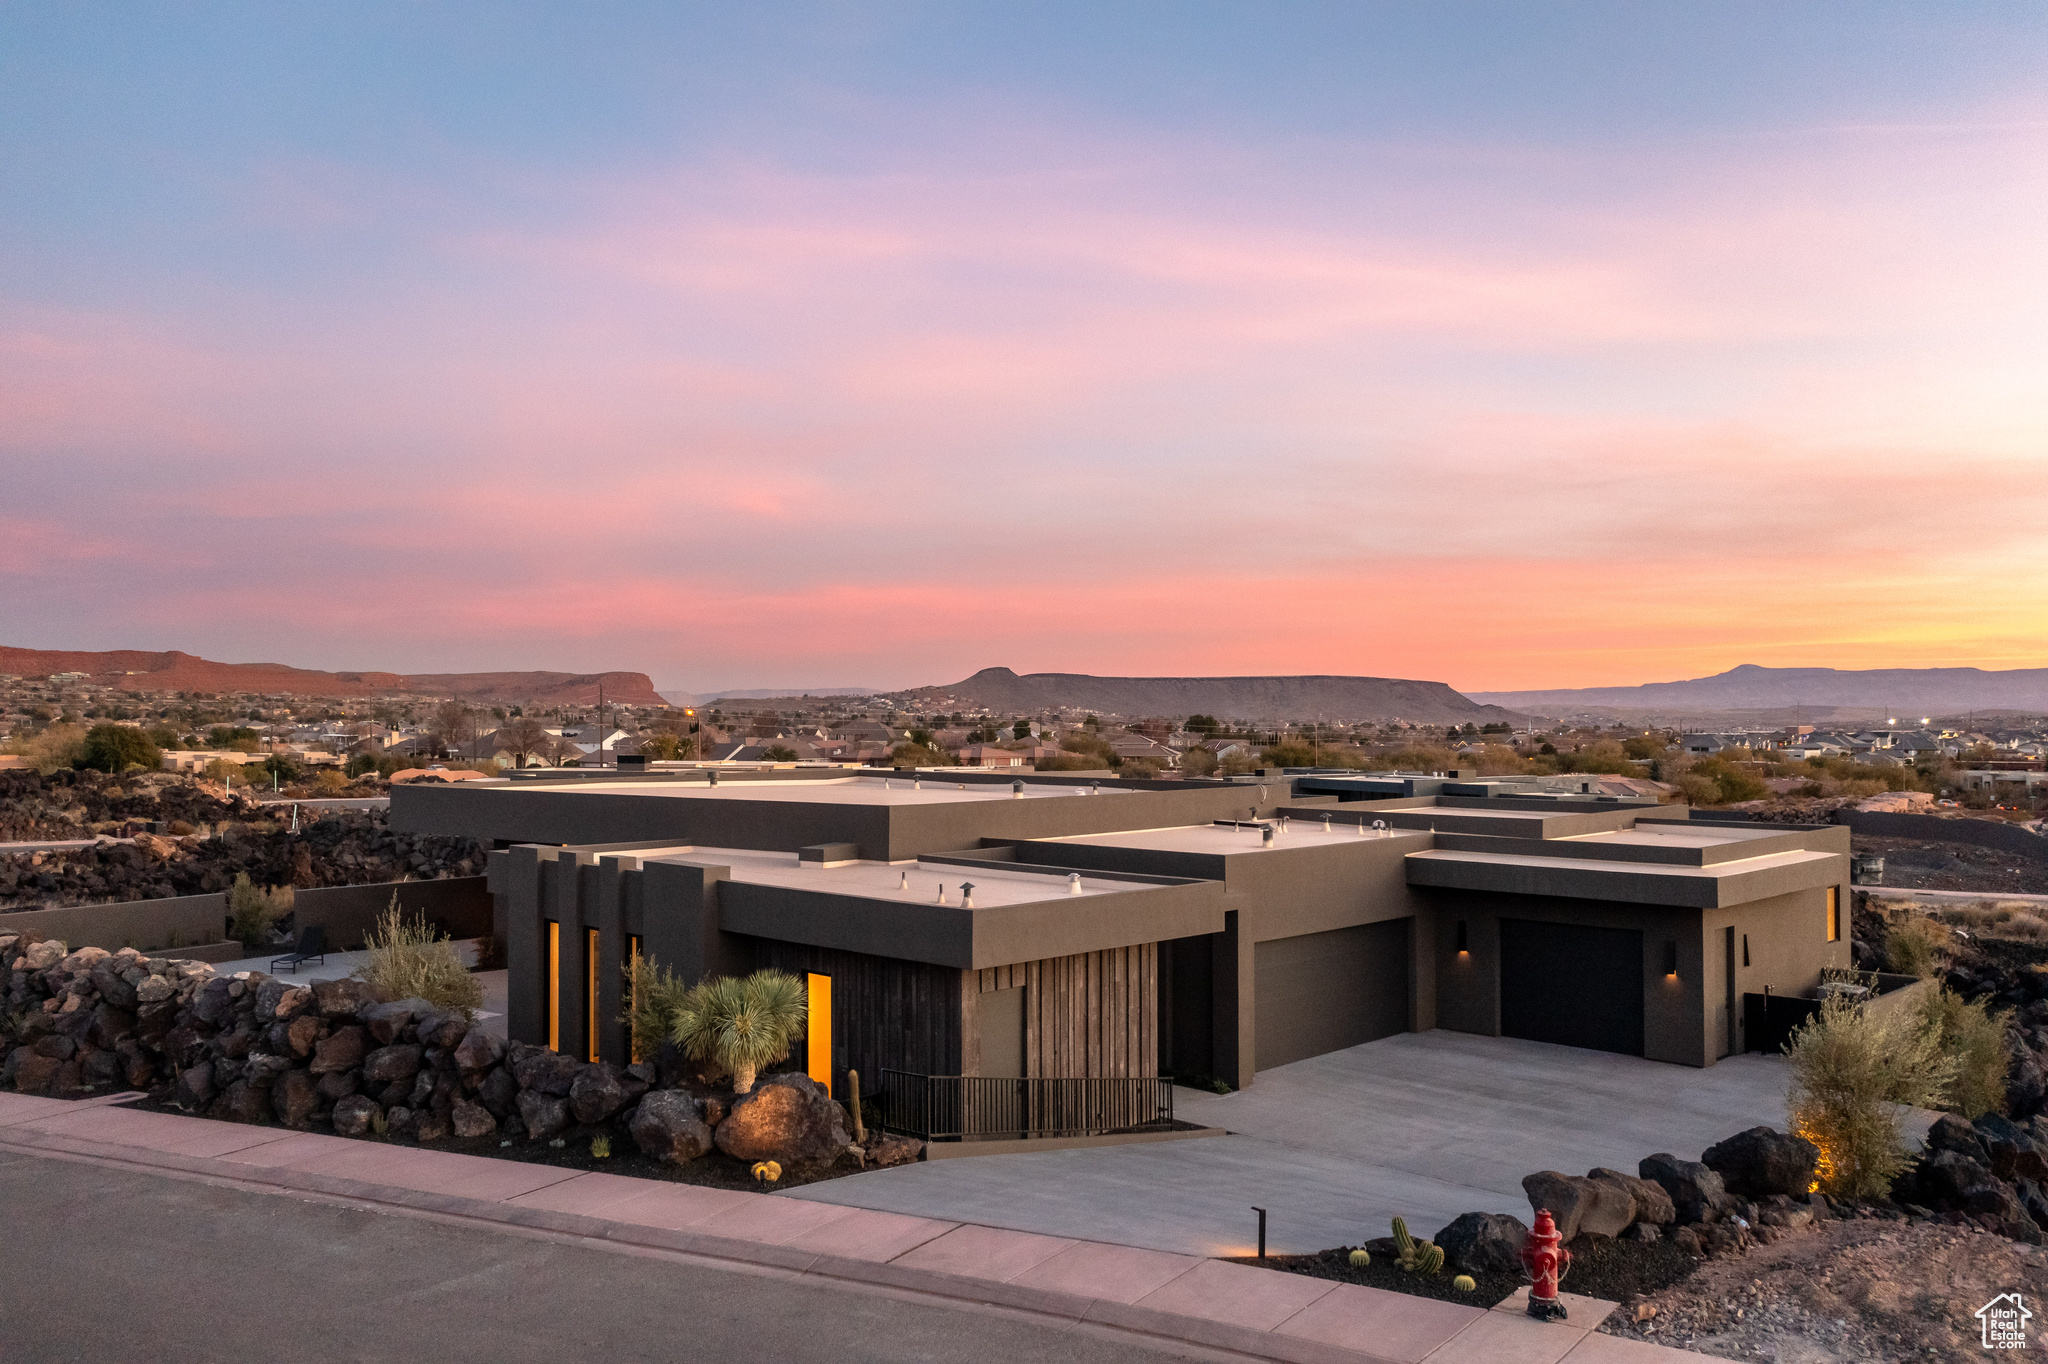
1102	399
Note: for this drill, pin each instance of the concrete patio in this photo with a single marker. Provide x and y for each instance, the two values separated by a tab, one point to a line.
1425	1125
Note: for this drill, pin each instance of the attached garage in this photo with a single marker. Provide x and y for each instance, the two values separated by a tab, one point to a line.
1322	992
1572	985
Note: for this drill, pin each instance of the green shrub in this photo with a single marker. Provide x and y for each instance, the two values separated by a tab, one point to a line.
654	996
116	748
742	1023
253	913
409	960
1973	1037
1850	1066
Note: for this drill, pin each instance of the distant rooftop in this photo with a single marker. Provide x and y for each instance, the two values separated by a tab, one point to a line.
861	790
994	887
1226	838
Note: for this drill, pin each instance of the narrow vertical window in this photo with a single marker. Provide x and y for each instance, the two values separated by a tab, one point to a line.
590	990
819	1029
1834	913
554	986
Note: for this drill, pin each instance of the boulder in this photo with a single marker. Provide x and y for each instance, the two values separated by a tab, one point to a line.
1578	1205
34	1074
343	1050
2014	1154
387	1021
337	1085
262	1068
339	999
1947	1177
499	1091
597	1093
1652	1204
471	1119
1951	1133
1997	1200
398	1120
787	1118
884	1151
1762	1161
1646	1232
390	1064
429	1125
295	1097
668	1127
1484	1242
549	1072
478	1051
441	1028
544	1115
303	1032
243	1102
353	1115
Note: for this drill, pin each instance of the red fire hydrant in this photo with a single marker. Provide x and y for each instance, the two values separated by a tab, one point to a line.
1546	1259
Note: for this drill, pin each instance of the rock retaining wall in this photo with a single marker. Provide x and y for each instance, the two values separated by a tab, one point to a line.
257	1048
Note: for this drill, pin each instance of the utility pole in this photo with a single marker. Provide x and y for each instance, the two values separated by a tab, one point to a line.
600	724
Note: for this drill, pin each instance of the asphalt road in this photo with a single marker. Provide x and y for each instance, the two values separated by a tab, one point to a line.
103	1264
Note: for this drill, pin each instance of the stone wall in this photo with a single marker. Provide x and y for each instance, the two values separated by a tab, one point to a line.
257	1048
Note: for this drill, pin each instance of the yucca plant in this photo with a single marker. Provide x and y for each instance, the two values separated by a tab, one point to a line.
742	1023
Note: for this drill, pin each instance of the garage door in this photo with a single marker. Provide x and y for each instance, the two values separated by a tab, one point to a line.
1572	985
1325	991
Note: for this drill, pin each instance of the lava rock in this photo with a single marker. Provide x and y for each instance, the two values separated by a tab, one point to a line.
478	1051
341	1051
441	1028
787	1118
668	1126
337	1085
34	1074
1762	1161
339	999
243	1102
1484	1242
295	1097
543	1115
1648	1233
1951	1133
354	1114
1697	1193
550	1073
1652	1204
387	1021
1580	1206
498	1092
303	1032
471	1119
1947	1178
597	1093
387	1065
2013	1153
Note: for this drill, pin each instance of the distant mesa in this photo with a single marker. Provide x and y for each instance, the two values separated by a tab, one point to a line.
1314	696
137	670
1893	691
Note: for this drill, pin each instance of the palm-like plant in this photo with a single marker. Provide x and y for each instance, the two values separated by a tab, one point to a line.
742	1023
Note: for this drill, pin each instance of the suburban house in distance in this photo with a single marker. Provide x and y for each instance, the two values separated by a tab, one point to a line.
982	925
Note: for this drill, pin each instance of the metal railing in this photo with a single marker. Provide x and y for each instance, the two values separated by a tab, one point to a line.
944	1107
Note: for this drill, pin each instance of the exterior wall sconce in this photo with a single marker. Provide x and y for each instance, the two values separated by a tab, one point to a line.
1464	939
1671	956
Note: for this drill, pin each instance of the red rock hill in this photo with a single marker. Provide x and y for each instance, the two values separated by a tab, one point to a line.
179	671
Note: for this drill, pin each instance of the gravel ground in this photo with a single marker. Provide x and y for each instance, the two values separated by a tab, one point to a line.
1928	864
1849	1290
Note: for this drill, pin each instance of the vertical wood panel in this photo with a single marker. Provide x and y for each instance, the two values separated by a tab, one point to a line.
1095	1013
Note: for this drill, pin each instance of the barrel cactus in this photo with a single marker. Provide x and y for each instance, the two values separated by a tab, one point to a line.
1360	1258
1465	1283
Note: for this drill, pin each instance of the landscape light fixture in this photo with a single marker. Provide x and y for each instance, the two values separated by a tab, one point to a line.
1671	956
1464	940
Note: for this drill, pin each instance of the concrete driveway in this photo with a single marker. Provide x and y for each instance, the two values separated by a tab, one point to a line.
1426	1125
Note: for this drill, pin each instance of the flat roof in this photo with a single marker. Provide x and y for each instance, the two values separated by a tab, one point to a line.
862	790
1675	836
1712	871
1224	838
909	882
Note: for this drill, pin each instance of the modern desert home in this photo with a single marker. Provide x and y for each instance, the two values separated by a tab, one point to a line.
960	923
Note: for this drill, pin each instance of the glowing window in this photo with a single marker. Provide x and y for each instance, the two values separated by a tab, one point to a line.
554	986
819	1029
1834	913
590	990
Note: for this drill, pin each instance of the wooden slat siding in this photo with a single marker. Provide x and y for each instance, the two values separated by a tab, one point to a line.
1094	1014
886	1012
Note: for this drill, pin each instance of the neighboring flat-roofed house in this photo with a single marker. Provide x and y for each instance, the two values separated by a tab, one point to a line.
989	755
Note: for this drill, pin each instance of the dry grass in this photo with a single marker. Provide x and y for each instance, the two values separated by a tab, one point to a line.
1917	946
409	960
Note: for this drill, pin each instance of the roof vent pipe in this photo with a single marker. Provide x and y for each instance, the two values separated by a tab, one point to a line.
1073	883
1094	788
1016	790
1266	836
942	892
1380	829
1326	824
714	776
904	884
967	895
917	783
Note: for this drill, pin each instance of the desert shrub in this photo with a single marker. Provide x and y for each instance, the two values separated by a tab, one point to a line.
654	996
253	913
1850	1065
1070	762
1698	790
56	748
330	781
116	748
409	960
917	755
1916	946
1198	762
741	1023
1973	1037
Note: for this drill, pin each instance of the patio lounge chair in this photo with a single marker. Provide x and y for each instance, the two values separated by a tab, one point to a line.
311	946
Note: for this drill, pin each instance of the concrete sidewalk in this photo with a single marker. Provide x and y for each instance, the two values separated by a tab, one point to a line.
1153	1295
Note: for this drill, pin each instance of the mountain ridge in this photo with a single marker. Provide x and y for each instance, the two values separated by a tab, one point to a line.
1751	686
1309	696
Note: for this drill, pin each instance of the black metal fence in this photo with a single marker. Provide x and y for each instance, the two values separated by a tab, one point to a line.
943	1107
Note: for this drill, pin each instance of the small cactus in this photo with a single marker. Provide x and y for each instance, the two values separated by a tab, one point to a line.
1416	1257
600	1147
1465	1283
1360	1258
